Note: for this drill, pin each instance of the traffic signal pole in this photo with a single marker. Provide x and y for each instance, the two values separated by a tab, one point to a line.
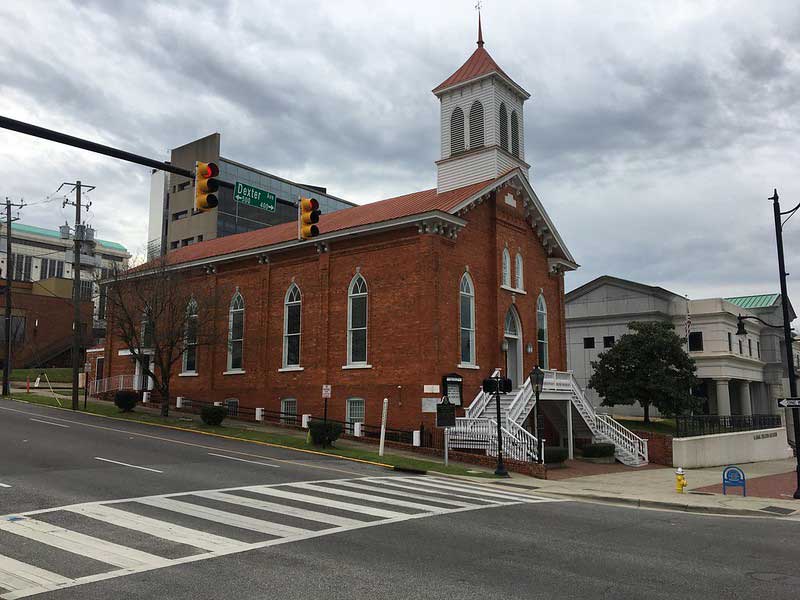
76	297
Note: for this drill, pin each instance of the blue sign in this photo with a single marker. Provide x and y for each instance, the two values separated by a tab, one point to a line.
733	477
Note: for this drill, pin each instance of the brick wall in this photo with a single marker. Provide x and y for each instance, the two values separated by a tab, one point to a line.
659	447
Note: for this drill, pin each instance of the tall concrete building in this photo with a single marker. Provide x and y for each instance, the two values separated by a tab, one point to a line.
174	223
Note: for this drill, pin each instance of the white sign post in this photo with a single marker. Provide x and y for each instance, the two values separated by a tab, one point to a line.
383	425
446	444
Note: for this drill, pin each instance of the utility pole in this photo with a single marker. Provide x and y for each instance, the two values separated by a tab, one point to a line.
9	275
78	238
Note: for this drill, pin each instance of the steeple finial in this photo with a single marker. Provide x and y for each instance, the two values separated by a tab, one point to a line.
480	33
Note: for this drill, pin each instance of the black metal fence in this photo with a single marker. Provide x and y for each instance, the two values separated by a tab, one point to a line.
690	426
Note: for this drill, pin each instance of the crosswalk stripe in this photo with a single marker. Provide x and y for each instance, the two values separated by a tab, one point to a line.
396	482
446	486
16	575
78	543
225	518
369	497
156	528
356	508
309	515
484	489
404	493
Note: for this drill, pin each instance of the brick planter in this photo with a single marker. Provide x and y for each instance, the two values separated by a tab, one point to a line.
659	447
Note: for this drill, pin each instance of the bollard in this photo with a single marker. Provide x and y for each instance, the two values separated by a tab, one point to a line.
306	419
217	403
416	439
145	397
259	414
179	402
357	432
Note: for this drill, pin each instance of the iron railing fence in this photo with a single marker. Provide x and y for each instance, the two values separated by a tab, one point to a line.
695	425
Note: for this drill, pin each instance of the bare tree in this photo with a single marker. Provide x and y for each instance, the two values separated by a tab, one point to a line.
163	316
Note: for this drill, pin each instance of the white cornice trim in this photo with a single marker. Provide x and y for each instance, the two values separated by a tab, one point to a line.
504	78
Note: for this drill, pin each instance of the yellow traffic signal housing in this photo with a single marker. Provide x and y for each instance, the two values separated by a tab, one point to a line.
205	186
308	213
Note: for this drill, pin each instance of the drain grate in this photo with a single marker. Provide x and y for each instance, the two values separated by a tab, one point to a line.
778	510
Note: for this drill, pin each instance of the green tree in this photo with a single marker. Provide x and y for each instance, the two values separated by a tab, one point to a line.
648	366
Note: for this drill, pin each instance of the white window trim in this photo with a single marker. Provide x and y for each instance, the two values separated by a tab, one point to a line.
189	374
513	290
193	314
473	331
350	362
519	275
291	368
231	370
505	262
546	340
234	372
467	366
286	304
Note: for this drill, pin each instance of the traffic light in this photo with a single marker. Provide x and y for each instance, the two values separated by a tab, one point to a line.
308	213
205	186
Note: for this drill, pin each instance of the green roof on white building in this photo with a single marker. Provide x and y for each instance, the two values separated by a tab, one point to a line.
54	233
757	301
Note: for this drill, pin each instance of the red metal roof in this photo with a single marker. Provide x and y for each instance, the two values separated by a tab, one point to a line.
366	214
477	65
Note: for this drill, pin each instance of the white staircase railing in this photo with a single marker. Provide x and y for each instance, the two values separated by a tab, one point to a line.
118	382
481	434
478	405
521	406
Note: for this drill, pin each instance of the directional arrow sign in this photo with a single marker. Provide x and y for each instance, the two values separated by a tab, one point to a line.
789	402
252	196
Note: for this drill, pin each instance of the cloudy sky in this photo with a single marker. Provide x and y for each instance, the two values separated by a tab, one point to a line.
657	130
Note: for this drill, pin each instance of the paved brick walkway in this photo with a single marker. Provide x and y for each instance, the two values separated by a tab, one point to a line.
780	486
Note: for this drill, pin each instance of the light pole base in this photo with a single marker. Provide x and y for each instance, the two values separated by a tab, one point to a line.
500	471
797	491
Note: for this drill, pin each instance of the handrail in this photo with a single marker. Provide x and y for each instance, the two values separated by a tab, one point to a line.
519	402
478	404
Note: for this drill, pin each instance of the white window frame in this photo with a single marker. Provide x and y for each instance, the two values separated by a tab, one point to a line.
506	267
519	280
286	403
191	313
231	402
237	296
541	313
293	297
470	331
350	295
352	419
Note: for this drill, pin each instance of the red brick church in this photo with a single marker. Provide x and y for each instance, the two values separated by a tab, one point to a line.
392	295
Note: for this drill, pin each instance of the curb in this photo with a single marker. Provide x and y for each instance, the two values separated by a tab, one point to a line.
409	470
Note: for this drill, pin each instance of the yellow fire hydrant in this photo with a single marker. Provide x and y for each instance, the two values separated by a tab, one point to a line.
680	480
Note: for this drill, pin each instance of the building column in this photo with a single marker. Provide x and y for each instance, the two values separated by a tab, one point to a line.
570	437
723	398
745	400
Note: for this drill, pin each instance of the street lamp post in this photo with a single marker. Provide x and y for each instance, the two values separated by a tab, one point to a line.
787	330
537	380
499	382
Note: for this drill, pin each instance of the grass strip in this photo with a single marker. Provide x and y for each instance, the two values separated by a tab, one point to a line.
248	434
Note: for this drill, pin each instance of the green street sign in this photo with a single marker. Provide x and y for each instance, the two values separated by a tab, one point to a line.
252	196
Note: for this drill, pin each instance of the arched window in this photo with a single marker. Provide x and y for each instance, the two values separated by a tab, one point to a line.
514	133
520	282
476	125
506	268
467	308
457	131
236	332
503	127
357	322
292	305
541	332
190	338
510	327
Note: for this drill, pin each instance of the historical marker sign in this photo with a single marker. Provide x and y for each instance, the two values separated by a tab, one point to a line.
252	196
445	413
789	402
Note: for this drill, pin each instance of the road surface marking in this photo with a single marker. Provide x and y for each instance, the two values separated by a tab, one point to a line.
480	487
356	508
395	482
252	462
51	423
4	485
156	528
406	494
225	518
108	460
16	575
470	490
78	543
369	497
302	513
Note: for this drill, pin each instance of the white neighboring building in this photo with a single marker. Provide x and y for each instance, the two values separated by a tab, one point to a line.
740	375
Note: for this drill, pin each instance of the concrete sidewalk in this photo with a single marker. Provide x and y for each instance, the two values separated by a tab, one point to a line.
655	488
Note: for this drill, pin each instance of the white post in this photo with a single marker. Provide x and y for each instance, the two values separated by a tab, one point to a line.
179	402
217	403
120	382
446	445
304	422
145	397
416	439
357	431
383	425
570	440
259	414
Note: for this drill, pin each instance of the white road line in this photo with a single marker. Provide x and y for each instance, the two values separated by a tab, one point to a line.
156	528
252	462
426	484
224	518
4	485
51	423
356	508
480	488
396	482
368	497
83	545
16	575
108	460
405	493
302	513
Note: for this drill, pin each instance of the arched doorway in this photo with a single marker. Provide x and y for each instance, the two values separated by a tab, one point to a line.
512	331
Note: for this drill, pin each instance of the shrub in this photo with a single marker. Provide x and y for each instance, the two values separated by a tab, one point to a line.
601	450
213	415
555	455
324	433
126	400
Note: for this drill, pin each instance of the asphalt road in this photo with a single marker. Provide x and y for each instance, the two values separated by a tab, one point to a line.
182	515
